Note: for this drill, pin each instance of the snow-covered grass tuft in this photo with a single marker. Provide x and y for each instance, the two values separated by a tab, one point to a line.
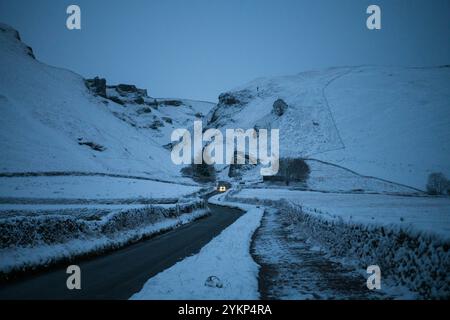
223	269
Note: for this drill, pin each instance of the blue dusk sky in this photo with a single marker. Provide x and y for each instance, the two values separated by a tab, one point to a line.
200	48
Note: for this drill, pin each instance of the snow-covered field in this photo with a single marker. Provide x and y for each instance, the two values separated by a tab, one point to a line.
226	258
90	187
424	214
34	236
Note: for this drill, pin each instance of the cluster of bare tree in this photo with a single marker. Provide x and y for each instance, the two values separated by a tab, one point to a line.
291	170
438	184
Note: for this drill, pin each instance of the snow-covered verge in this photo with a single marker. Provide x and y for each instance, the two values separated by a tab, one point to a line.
407	257
29	241
226	259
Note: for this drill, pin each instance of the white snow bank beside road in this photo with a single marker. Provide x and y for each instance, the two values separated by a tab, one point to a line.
226	257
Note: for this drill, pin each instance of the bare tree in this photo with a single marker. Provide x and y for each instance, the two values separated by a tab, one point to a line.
291	170
437	183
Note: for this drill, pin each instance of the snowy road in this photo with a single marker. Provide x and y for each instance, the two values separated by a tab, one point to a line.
122	273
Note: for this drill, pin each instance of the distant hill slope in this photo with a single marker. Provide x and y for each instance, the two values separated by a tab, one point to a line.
386	122
51	121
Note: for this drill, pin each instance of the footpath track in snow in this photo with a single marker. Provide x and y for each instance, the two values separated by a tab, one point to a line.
292	268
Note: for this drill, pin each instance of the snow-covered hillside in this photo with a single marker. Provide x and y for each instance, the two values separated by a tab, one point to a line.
386	122
51	121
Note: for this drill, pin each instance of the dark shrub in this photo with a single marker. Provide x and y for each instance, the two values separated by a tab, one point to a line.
200	172
167	119
156	124
173	103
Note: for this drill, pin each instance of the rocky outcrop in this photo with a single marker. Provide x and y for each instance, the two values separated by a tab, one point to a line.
228	99
229	104
121	94
173	103
9	31
127	89
94	146
97	86
280	107
235	98
144	110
